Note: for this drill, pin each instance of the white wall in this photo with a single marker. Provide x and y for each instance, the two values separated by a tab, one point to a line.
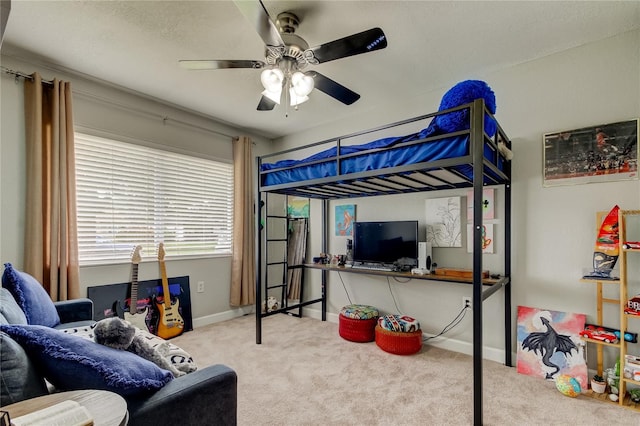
553	228
107	110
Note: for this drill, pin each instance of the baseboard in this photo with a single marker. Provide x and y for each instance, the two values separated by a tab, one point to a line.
492	354
223	316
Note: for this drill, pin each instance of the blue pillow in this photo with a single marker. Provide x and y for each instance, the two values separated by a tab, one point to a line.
69	362
32	298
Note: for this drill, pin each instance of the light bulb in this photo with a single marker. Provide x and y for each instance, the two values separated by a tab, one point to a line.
274	96
272	79
301	84
295	98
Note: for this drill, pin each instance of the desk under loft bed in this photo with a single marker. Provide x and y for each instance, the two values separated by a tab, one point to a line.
468	158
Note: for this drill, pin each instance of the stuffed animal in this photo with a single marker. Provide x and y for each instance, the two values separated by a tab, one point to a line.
462	93
119	334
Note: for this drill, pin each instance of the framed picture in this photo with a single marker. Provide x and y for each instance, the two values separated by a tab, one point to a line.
603	153
345	216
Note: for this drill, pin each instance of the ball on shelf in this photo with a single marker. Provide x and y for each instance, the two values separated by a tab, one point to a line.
568	385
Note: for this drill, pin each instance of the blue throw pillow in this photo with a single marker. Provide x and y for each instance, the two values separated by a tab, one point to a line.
72	363
31	297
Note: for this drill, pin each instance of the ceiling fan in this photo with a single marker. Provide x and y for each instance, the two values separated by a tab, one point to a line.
288	55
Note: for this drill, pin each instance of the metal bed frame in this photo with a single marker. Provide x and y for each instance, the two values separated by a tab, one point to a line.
427	176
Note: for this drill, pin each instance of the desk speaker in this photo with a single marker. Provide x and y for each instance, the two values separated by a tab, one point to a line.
425	256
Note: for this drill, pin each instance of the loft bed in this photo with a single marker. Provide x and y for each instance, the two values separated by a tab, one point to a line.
419	161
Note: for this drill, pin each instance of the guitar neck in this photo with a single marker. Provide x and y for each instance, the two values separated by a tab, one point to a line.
165	285
133	304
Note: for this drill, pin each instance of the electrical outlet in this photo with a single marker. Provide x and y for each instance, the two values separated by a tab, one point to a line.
466	302
200	286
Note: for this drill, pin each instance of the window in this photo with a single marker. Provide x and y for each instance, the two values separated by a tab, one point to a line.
129	194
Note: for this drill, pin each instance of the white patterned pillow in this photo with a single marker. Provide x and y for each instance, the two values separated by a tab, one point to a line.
174	354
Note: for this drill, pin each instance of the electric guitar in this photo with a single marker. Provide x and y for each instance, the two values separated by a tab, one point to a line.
136	316
170	323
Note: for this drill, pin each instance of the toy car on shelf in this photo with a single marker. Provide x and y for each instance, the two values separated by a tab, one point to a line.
628	336
598	333
635	245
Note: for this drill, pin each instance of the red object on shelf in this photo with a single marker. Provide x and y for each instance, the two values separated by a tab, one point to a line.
598	333
631	245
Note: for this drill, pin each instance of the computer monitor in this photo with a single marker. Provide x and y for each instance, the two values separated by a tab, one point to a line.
385	242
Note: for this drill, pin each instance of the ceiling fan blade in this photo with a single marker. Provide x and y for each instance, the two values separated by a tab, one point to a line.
217	64
266	104
333	89
257	14
366	41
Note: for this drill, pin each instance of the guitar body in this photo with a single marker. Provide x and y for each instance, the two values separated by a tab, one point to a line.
170	322
139	319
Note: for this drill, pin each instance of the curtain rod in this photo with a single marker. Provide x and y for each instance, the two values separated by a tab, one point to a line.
19	74
165	119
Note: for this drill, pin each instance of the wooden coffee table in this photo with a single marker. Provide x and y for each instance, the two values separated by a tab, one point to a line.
106	408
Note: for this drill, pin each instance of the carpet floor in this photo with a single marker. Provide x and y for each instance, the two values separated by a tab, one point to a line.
304	373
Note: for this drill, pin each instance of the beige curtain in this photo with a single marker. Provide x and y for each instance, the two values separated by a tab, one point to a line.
243	273
51	241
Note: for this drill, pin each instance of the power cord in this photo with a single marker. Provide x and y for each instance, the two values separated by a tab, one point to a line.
345	288
449	326
394	297
446	329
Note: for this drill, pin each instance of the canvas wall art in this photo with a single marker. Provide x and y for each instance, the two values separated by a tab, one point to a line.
443	222
298	207
549	344
345	216
487	238
488	209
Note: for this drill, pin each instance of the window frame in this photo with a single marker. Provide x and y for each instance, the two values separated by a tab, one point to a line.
117	256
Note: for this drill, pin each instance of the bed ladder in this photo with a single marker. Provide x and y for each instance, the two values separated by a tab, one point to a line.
276	240
278	229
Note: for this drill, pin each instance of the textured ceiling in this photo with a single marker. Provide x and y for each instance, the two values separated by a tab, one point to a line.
431	45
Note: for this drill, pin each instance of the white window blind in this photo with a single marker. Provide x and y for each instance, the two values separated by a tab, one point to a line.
129	194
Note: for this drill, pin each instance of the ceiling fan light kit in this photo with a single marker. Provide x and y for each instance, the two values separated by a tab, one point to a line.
276	83
287	54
